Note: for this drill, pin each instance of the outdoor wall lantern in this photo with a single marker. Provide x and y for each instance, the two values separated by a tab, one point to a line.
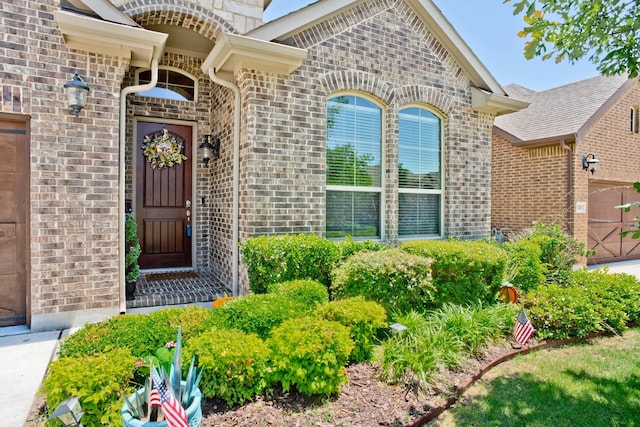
77	91
69	412
589	163
210	151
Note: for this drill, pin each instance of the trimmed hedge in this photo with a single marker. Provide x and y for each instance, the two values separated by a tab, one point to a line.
233	364
281	258
462	272
363	318
590	302
397	280
308	292
96	381
524	268
141	333
259	313
310	353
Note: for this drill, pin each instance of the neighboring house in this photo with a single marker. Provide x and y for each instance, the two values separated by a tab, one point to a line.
538	155
369	118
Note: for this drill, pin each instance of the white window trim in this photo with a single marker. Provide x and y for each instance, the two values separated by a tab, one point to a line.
440	191
196	89
383	162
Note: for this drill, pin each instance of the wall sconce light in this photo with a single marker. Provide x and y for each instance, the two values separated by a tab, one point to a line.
77	91
210	151
207	149
69	412
589	163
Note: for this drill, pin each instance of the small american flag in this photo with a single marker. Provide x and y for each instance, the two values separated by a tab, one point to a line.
174	413
154	399
523	330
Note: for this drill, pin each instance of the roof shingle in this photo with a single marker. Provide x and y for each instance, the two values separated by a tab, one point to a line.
560	111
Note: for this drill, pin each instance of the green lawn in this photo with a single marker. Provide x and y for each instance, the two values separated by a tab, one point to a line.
592	384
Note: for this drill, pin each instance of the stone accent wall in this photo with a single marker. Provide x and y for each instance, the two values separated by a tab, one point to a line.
74	163
379	49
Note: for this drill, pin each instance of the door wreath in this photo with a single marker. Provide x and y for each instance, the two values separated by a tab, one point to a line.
163	150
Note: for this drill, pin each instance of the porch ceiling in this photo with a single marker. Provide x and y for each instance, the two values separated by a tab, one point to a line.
184	41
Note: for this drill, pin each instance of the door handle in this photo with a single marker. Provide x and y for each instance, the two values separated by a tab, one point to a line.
187	204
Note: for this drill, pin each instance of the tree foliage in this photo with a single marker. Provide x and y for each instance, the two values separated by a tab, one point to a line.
604	31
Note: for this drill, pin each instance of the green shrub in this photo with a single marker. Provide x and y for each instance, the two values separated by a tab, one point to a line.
308	292
560	252
96	380
475	325
363	318
590	302
394	279
141	333
281	258
348	246
233	364
413	356
524	268
134	331
558	312
442	339
462	272
259	313
621	288
192	319
310	353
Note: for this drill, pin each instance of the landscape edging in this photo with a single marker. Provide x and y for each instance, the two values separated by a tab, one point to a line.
459	390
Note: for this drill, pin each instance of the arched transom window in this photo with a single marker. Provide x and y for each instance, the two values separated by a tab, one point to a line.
172	84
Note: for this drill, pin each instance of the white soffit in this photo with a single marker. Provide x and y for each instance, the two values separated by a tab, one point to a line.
233	52
107	38
486	102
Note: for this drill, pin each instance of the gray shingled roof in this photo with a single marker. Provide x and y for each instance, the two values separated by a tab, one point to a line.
560	111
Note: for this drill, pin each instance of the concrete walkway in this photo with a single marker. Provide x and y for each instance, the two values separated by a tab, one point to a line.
24	358
630	267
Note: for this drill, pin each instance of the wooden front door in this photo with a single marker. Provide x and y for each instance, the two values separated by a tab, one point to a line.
14	195
606	223
163	202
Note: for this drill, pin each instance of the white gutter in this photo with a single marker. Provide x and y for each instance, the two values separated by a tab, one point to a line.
121	184
236	175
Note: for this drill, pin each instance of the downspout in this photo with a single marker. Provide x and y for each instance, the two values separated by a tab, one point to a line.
569	185
121	184
236	175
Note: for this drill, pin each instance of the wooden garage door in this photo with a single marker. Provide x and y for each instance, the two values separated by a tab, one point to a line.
606	223
14	175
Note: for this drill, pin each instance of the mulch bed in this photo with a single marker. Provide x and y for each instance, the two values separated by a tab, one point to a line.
364	401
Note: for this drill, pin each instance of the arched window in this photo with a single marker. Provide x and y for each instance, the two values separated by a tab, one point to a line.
172	84
354	167
420	179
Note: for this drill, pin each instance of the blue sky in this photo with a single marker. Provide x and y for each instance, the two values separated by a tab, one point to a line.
489	28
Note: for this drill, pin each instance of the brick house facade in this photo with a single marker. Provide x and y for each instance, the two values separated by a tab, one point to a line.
537	163
261	89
